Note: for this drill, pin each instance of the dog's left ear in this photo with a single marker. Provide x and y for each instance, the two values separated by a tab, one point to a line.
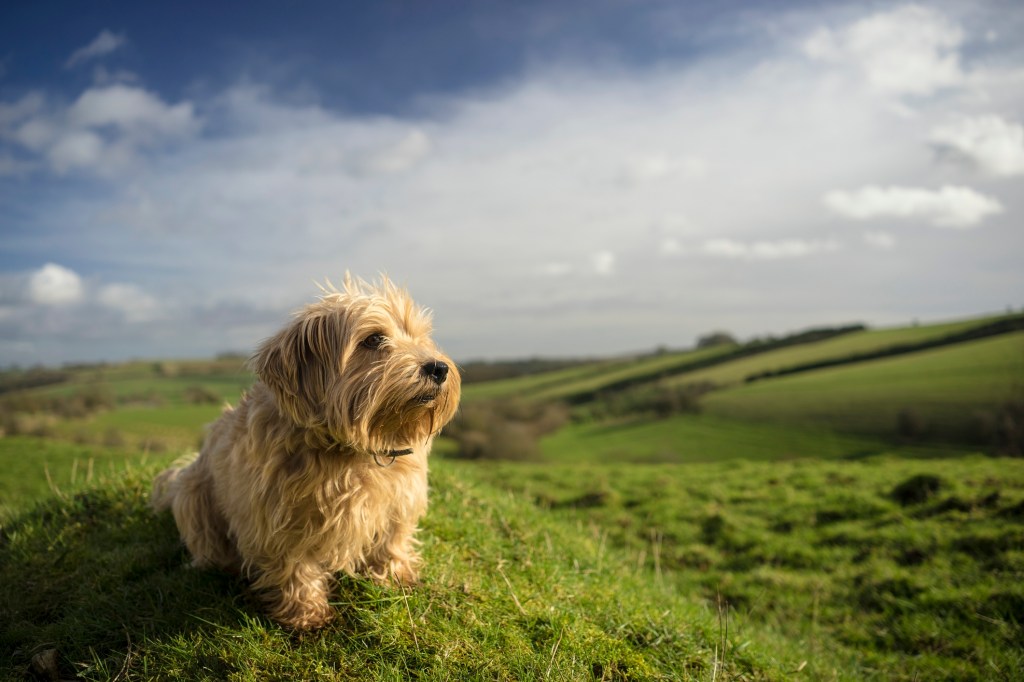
298	364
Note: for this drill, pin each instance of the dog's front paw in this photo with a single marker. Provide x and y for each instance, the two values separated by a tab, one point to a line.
303	616
300	600
405	574
395	573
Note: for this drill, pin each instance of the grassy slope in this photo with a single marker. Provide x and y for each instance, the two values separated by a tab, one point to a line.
708	438
587	378
173	427
592	377
167	380
153	411
821	561
33	467
822	565
509	592
946	386
839	347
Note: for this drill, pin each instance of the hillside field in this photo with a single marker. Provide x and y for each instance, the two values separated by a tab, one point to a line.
844	522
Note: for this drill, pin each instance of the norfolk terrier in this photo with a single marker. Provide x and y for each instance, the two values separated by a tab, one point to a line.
322	467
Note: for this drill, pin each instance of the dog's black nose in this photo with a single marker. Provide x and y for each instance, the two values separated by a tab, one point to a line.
436	370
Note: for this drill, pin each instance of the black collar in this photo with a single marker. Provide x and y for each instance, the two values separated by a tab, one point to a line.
393	454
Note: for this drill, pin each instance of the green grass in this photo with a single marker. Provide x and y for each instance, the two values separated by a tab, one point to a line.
840	347
166	380
509	592
950	388
164	428
589	378
709	438
592	377
881	569
35	468
780	534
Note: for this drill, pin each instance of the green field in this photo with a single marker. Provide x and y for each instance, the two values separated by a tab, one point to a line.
171	427
708	438
589	378
838	348
795	527
35	469
509	592
952	389
882	569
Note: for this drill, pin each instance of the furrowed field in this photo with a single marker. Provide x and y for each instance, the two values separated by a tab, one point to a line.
845	504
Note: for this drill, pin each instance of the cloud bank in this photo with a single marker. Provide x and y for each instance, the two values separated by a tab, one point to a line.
555	213
956	207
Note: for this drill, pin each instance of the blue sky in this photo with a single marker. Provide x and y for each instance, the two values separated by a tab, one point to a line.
551	178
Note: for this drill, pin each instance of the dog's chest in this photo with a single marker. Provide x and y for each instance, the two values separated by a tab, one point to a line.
346	512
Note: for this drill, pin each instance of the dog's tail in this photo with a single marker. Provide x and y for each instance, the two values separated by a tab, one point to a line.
166	484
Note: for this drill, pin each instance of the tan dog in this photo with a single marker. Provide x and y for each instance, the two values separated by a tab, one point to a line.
322	467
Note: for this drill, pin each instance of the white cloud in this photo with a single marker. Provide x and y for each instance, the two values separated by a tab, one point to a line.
767	250
603	262
950	206
643	169
880	240
555	269
988	142
132	109
105	43
35	134
670	246
28	105
55	285
76	149
400	156
910	50
131	301
101	132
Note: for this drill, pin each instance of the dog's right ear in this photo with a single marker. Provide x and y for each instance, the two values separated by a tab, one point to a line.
296	363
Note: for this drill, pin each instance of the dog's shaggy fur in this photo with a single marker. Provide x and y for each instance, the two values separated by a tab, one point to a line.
322	467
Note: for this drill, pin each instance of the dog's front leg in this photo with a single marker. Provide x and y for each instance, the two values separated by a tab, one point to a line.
296	594
397	560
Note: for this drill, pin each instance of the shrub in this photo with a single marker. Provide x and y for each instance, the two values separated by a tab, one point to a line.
201	395
1009	428
917	489
166	369
911	424
87	400
507	429
718	338
18	379
112	438
661	401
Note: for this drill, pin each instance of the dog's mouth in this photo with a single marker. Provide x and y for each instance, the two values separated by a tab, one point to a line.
425	398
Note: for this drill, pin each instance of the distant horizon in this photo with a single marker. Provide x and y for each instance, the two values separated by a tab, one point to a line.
627	353
552	179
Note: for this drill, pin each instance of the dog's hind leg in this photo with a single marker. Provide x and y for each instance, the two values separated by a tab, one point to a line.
188	494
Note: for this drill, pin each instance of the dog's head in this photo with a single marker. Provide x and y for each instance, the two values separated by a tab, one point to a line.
359	368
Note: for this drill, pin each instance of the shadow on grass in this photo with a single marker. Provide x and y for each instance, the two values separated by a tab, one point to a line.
95	574
103	580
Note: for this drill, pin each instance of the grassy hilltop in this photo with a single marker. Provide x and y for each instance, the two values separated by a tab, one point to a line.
835	505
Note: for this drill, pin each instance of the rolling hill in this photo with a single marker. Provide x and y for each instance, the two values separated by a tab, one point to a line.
829	518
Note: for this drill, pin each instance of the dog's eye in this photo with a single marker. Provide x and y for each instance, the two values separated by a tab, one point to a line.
373	341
